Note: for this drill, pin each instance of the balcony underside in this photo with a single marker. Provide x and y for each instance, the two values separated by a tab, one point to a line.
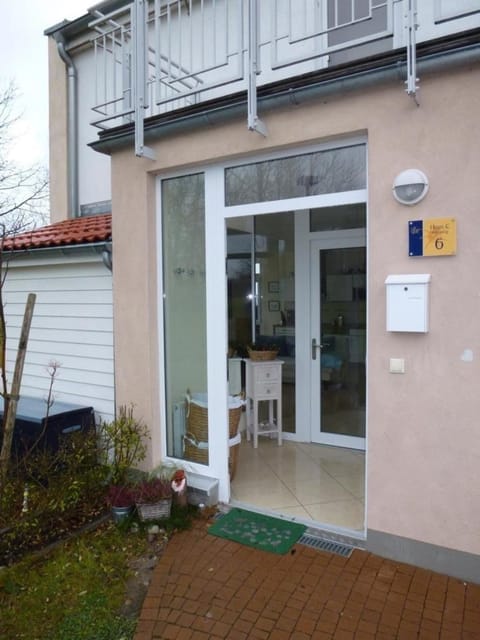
435	55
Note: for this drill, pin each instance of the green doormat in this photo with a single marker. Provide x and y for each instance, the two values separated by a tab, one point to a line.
258	531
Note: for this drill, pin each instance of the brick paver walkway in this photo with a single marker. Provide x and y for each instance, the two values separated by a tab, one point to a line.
206	587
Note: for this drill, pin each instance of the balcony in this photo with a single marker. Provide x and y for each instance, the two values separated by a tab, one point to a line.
157	56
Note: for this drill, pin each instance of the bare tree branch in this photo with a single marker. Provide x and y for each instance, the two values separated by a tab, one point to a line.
23	205
23	189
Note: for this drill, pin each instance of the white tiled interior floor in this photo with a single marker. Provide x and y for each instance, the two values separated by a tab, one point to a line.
309	481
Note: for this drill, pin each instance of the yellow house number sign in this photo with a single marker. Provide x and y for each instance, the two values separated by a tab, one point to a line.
432	237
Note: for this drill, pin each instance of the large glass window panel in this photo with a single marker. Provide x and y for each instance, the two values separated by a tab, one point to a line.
275	283
241	286
321	172
261	295
183	236
343	338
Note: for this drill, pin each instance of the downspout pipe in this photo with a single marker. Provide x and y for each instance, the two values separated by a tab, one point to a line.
72	128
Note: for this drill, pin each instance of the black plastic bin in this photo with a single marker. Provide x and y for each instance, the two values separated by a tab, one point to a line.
64	419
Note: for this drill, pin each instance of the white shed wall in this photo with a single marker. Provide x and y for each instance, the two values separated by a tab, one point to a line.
72	325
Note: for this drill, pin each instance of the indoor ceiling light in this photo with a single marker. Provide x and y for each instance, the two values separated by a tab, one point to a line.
410	186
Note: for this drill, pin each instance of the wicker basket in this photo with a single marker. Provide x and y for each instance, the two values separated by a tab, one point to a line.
192	450
233	420
197	421
194	454
195	441
233	457
262	356
154	511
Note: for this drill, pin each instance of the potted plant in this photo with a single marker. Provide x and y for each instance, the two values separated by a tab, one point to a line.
122	446
153	498
121	500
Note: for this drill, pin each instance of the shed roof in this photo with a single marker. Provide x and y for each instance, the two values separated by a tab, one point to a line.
85	230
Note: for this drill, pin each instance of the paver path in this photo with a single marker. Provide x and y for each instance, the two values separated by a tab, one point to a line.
206	587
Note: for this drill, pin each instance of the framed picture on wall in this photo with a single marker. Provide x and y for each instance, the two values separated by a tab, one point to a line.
273	286
274	305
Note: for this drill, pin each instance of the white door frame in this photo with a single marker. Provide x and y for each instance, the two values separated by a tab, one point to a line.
216	214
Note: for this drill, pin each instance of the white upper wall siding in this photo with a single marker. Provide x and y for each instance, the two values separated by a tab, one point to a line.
72	325
93	167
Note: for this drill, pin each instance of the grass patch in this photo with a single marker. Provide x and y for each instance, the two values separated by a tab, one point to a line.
75	592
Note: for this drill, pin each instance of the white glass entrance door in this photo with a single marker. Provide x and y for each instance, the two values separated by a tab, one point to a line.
338	340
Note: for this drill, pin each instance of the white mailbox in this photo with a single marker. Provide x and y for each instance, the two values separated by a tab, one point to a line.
407	302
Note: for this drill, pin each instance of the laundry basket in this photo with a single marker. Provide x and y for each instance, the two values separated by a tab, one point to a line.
196	436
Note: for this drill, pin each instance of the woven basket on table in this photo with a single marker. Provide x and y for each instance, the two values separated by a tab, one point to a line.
262	356
154	510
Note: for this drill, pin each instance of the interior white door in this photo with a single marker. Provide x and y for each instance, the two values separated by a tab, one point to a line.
338	341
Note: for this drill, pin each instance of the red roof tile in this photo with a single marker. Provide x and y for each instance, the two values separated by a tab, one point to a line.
68	232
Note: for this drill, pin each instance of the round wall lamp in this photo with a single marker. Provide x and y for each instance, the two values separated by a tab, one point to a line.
410	186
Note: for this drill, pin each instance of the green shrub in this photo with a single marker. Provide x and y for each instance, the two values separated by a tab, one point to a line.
123	444
49	495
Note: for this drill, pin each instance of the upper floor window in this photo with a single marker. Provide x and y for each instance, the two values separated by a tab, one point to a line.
449	9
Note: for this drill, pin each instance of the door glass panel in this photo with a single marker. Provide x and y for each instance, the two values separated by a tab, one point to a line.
330	171
261	295
183	236
343	339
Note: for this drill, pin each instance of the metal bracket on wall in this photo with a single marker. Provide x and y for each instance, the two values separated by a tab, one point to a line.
139	21
254	122
412	26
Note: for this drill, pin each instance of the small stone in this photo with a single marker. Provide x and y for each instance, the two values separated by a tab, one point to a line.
154	528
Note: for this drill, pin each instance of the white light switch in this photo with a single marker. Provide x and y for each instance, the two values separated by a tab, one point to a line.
397	365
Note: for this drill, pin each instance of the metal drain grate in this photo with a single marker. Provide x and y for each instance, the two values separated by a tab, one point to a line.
326	545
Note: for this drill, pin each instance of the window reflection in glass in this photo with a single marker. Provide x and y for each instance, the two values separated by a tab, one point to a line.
330	171
261	295
183	236
348	216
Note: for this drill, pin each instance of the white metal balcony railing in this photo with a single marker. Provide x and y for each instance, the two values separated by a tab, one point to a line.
153	56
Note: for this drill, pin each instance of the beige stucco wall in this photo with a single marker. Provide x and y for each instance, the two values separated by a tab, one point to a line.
135	299
57	121
422	447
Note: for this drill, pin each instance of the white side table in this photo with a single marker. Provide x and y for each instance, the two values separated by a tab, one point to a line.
264	383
